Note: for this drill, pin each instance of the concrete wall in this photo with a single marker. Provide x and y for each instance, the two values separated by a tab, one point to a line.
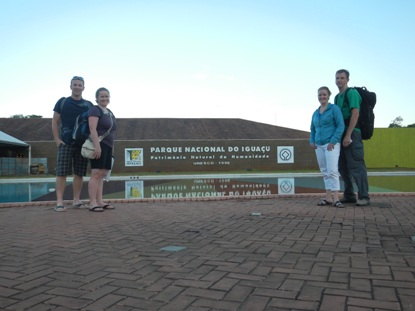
391	147
388	148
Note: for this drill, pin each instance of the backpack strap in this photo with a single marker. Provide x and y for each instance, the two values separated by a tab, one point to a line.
346	100
345	97
63	103
112	123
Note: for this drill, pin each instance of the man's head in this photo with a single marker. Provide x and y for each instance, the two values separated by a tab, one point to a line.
77	87
342	78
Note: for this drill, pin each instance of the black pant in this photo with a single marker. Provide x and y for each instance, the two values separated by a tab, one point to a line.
352	167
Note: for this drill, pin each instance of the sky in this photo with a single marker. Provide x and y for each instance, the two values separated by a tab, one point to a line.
258	60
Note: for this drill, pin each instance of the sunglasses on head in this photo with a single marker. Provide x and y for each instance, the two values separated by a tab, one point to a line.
78	78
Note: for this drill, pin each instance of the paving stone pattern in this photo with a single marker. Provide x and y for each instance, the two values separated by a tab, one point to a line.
289	255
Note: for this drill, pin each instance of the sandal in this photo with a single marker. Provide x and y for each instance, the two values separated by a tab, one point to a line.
323	203
338	204
78	205
96	209
108	206
60	208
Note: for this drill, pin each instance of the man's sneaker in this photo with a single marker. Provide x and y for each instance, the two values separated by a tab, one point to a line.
362	202
348	200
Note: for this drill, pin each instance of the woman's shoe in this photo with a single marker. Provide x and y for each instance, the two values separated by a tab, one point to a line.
323	202
338	204
96	209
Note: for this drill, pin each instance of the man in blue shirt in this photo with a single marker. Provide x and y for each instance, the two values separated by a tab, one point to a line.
69	158
351	162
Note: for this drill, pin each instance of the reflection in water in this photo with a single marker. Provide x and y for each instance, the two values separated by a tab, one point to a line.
135	188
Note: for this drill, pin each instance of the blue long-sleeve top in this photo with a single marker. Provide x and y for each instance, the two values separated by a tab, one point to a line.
327	127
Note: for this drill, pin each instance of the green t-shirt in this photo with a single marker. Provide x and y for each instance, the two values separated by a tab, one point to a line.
354	100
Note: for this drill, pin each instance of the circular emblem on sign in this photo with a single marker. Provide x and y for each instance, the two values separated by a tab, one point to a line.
285	154
286	186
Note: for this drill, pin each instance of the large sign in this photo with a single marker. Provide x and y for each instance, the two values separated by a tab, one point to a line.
223	155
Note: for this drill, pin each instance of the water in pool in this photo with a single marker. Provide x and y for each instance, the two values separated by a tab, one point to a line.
219	186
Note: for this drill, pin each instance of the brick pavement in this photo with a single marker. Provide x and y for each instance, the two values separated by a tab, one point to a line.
293	256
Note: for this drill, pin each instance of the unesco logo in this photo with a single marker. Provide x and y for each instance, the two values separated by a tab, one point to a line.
286	186
285	154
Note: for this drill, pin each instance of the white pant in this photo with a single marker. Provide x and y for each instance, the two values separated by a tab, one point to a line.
328	161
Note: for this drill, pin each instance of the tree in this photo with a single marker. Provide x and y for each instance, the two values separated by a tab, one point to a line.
397	122
34	116
20	116
411	125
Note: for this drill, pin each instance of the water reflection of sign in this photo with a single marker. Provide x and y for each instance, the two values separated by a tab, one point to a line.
192	188
286	186
134	189
134	157
285	154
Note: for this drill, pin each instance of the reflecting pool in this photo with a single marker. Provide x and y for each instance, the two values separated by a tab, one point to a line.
196	186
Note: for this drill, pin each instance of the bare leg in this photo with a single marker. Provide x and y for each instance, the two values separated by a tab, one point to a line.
77	187
60	189
336	196
101	188
329	196
93	186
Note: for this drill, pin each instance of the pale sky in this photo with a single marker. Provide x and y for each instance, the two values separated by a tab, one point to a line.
259	60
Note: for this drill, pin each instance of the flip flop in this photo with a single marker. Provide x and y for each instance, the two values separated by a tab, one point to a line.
108	206
323	203
338	204
60	208
96	209
78	205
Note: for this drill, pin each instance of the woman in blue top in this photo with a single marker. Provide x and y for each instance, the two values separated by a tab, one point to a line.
327	126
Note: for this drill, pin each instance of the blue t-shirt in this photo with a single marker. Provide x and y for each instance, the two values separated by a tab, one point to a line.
106	119
69	111
327	127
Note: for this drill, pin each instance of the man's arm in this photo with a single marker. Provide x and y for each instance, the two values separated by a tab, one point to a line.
347	140
55	128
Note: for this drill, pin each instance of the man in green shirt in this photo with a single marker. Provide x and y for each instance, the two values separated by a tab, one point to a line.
351	162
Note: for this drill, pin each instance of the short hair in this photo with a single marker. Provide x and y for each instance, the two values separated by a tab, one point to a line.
100	90
344	71
77	78
324	88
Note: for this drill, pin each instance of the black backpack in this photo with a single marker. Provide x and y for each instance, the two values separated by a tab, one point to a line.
366	122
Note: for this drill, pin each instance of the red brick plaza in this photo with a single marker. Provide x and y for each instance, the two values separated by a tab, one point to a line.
281	253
